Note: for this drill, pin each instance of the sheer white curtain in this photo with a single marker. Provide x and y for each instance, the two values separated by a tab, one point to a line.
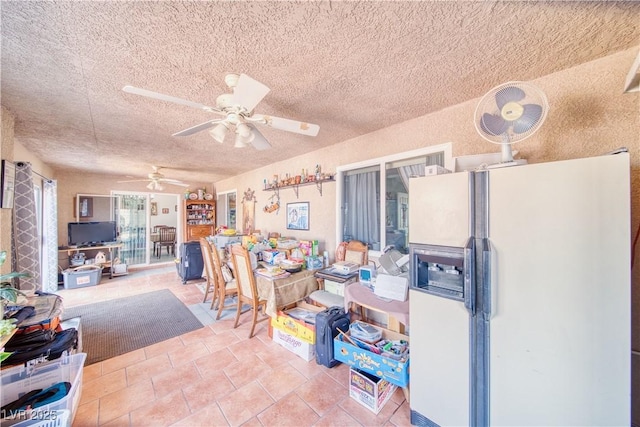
362	216
50	236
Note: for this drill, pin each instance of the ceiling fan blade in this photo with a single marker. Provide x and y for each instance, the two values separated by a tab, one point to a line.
248	92
168	98
173	182
493	124
135	180
509	94
259	142
530	115
303	128
197	128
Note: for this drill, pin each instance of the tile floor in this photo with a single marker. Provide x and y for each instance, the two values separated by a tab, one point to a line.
214	376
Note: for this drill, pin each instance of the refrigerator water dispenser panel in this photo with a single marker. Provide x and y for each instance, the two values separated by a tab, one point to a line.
438	270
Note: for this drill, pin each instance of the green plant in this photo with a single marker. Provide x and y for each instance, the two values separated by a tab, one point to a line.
8	292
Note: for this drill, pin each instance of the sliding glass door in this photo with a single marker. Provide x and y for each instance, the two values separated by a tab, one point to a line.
132	223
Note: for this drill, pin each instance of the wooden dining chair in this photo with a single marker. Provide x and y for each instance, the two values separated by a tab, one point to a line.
224	289
247	290
209	270
167	240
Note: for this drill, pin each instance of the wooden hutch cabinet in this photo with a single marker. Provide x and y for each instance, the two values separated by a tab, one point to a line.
199	219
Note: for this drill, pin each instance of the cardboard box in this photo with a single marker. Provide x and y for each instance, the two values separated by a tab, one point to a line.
273	256
79	277
387	368
295	345
295	327
370	391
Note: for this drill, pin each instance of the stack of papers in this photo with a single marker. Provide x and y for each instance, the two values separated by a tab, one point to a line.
273	273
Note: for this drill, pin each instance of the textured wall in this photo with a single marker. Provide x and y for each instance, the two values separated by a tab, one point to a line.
6	153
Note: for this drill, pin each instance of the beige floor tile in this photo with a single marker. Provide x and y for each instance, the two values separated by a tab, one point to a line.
245	403
337	417
92	372
221	339
201	393
289	411
101	386
87	414
245	370
175	379
281	381
161	412
122	361
209	416
365	416
402	417
123	401
212	365
163	347
147	369
188	354
322	393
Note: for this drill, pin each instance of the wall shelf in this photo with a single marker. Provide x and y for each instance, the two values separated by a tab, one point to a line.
276	189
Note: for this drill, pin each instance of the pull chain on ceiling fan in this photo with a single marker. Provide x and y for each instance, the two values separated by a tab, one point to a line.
237	108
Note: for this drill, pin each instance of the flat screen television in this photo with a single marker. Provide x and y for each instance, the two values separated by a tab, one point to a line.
92	233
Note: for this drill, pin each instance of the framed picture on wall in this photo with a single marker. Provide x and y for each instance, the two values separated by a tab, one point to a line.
8	184
154	208
165	210
84	206
298	216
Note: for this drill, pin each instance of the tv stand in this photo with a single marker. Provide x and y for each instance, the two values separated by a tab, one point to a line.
110	247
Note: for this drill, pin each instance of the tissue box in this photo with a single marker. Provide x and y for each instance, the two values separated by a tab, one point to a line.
273	256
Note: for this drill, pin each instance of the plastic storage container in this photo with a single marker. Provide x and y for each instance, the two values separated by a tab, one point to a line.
19	380
79	277
365	332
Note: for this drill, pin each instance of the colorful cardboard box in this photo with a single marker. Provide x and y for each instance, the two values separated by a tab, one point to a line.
295	345
370	391
296	327
387	368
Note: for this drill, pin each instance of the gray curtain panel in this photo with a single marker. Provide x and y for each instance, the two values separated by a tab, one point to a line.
27	246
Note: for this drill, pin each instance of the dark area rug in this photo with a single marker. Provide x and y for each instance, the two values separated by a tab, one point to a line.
115	327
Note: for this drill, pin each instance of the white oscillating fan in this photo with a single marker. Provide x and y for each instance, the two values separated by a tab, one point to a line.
508	114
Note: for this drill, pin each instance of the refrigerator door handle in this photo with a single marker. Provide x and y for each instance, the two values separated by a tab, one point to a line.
488	291
469	276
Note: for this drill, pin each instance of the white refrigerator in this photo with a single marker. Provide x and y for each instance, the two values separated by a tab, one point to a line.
520	295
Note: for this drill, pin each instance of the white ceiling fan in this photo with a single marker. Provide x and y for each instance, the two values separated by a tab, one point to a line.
237	109
156	179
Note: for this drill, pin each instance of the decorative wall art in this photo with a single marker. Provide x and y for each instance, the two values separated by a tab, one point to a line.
85	206
298	216
154	208
165	210
248	211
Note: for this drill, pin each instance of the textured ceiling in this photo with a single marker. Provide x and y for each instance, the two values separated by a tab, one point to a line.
350	67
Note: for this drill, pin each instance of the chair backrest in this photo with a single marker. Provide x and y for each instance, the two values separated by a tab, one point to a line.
167	235
245	279
357	252
207	256
156	228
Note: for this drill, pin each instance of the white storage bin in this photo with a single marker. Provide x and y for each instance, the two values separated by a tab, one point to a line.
19	380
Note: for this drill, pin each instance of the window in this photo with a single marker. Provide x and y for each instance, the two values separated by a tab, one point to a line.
374	196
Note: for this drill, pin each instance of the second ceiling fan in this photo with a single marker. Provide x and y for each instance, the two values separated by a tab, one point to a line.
237	108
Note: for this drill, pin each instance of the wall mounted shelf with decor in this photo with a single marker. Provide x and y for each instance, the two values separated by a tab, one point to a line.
318	183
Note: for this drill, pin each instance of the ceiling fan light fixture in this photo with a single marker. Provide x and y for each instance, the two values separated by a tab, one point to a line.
219	132
242	141
243	130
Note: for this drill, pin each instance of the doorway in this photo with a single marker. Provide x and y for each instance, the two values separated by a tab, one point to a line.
139	214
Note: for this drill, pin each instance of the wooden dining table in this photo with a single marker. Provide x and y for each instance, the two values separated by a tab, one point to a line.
282	292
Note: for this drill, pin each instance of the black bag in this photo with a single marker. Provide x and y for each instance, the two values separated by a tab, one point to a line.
191	263
66	340
30	340
327	324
